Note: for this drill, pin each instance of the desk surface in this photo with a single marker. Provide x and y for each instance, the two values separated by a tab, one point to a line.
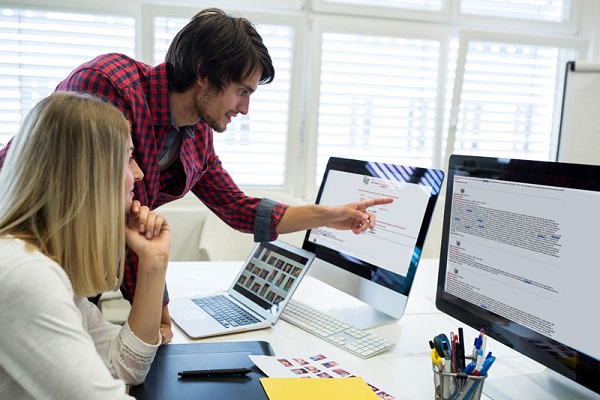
405	371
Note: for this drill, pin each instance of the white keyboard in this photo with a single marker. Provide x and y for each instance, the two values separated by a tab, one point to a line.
356	341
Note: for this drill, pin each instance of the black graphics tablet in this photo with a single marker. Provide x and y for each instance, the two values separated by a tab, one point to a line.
163	381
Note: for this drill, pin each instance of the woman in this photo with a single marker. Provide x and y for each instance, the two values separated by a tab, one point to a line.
66	214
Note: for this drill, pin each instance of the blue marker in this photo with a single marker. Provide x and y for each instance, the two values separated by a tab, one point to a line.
471	387
470	368
486	365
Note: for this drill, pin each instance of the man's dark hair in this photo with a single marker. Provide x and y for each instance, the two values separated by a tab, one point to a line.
221	47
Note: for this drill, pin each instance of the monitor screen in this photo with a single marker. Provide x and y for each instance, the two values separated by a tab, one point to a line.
519	258
387	256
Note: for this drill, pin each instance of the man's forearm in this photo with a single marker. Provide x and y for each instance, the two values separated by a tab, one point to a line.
300	218
354	216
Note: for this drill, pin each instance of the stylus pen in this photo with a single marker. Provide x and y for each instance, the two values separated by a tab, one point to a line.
198	373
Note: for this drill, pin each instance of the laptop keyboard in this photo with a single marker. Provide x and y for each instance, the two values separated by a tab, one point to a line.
356	341
225	311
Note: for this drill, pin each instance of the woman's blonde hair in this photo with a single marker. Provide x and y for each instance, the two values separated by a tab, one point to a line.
62	188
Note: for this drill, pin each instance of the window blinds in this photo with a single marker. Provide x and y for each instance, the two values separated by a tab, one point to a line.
40	48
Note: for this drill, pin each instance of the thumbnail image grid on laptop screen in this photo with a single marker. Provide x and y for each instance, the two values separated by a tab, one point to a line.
269	275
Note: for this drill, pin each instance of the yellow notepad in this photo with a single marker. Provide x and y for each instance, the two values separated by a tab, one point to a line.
317	389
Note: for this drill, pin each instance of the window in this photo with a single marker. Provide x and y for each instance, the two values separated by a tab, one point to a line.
539	10
404	81
40	48
378	98
508	105
428	5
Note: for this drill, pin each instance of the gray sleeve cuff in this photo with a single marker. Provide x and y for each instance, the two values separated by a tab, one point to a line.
262	223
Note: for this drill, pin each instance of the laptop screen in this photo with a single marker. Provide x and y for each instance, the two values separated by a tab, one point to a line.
270	275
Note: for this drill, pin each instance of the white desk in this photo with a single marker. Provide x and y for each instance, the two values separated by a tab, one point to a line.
405	371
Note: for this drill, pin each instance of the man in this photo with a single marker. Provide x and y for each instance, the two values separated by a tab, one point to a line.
211	69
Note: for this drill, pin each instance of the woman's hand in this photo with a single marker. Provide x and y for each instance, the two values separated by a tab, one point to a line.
147	232
149	236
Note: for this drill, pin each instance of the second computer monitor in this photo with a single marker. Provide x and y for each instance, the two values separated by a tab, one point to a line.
376	267
519	259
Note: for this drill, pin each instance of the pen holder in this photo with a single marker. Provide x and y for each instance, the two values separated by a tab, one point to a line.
457	386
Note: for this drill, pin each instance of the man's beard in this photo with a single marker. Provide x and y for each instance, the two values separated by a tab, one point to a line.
202	110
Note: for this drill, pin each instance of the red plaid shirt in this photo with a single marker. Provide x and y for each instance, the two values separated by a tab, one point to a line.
140	91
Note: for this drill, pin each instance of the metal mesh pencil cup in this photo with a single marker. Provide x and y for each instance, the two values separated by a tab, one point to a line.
457	386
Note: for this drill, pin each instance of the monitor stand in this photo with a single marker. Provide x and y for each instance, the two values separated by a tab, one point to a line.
546	385
362	317
367	304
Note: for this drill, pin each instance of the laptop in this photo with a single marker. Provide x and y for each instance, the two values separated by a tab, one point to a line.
255	299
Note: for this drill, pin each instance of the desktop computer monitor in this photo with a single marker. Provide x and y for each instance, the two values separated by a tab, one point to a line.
519	258
376	267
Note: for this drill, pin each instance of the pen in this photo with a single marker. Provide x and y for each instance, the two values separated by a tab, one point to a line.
214	372
483	343
471	387
479	362
470	368
453	340
461	341
477	344
486	365
459	358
